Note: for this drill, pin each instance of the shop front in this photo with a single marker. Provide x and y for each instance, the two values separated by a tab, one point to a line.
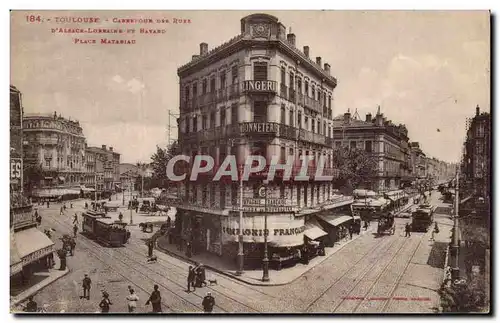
285	234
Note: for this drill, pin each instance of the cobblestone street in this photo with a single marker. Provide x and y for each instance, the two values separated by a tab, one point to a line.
370	274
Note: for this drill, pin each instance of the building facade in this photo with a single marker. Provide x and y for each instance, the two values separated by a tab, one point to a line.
257	94
383	140
103	164
27	244
476	161
57	145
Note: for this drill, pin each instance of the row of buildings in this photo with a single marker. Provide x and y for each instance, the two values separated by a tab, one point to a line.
259	94
56	156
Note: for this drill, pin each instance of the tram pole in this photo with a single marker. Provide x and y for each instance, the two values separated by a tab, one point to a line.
130	186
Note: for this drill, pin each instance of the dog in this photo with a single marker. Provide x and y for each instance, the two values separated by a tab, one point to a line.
152	259
212	282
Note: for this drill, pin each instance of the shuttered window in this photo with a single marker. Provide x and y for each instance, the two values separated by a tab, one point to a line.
260	71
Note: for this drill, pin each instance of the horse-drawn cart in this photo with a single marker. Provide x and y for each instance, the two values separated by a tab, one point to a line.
386	224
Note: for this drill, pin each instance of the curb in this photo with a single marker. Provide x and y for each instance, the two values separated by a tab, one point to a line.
227	274
16	302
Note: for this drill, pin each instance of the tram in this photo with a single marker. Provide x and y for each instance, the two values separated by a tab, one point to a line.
386	224
105	230
422	218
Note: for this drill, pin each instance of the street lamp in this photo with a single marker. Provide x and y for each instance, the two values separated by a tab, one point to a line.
265	261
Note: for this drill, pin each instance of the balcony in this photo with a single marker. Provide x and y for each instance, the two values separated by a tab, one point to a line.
312	104
259	86
48	141
309	136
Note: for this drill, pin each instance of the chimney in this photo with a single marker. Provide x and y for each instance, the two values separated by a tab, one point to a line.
194	57
318	61
291	39
306	51
103	147
369	117
477	110
110	148
347	117
203	49
327	68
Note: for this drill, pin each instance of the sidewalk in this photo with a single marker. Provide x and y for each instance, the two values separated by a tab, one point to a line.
39	281
253	277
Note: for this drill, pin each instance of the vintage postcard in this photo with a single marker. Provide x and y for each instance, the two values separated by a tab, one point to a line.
250	162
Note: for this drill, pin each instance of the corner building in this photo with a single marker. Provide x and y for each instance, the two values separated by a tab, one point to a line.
256	94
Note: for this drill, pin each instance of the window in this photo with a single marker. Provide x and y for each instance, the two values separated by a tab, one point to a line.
234	114
204	123
195	89
260	71
186	93
283	155
47	163
212	120
299	85
222	153
353	145
299	120
306	123
329	131
313	92
259	148
223	79
368	146
292	83
195	124
234	74
260	111
306	88
195	194
234	194
329	102
324	128
283	114
290	152
223	117
212	84
480	130
212	195
283	76
291	122
204	87
313	126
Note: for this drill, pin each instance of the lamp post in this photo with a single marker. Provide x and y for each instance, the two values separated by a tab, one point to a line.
265	261
130	186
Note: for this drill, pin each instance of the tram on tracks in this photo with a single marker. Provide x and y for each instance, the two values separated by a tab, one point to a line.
109	232
422	218
386	224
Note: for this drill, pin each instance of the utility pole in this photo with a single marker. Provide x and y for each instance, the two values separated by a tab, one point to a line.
455	246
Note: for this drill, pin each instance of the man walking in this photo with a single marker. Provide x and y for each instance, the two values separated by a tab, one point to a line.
155	300
208	303
75	230
351	230
407	230
75	219
86	286
61	212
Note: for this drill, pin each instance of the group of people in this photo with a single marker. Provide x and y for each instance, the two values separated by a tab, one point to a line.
196	277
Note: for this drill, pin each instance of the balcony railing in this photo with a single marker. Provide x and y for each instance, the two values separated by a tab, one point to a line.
312	104
309	136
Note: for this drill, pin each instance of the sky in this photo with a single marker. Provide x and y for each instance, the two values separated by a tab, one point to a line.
426	69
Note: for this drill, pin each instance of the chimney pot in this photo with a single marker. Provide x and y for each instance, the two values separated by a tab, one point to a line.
104	147
347	117
477	110
110	148
318	61
306	51
327	68
369	117
291	39
203	49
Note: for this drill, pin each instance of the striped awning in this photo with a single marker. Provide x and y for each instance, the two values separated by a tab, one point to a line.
32	245
314	230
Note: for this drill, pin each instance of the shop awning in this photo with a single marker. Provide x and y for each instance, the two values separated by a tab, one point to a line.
313	230
357	217
32	245
16	264
335	220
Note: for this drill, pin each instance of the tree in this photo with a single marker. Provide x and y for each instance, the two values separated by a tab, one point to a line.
356	168
159	161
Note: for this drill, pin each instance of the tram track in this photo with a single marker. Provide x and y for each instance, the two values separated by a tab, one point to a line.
137	266
91	247
370	251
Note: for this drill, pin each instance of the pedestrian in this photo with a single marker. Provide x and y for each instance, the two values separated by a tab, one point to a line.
150	248
62	256
75	218
31	306
72	245
120	217
169	222
39	220
365	226
61	212
75	230
64	206
105	302
48	204
202	275
155	300
132	300
86	284
208	303
191	279
351	230
305	254
407	230
189	250
71	205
